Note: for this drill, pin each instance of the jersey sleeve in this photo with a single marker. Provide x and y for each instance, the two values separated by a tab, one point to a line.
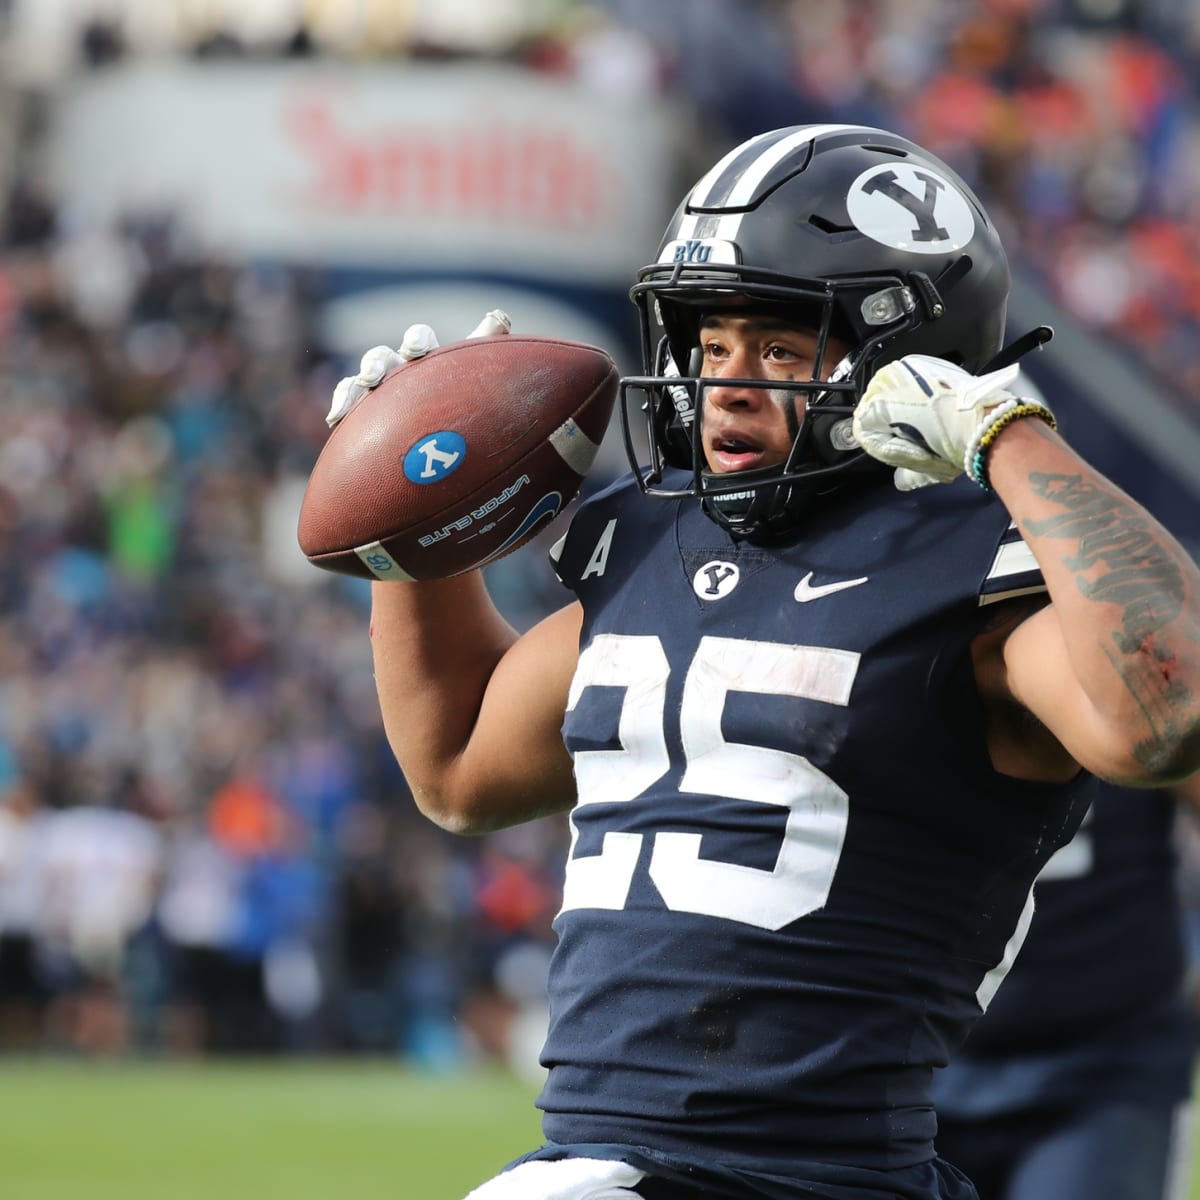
1014	570
573	555
555	554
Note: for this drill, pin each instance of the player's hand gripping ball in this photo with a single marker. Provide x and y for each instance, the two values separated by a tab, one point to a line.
445	458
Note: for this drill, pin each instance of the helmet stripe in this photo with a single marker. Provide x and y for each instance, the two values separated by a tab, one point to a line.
704	191
734	180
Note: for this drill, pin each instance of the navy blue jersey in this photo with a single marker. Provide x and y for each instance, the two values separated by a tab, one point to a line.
1094	1006
794	880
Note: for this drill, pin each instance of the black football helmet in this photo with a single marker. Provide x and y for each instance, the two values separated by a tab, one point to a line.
855	232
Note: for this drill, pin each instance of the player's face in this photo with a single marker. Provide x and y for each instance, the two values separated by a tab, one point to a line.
746	428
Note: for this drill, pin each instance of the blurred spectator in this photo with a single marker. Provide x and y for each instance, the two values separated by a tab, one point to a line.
99	871
23	986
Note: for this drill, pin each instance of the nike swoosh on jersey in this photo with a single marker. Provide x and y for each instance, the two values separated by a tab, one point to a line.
805	591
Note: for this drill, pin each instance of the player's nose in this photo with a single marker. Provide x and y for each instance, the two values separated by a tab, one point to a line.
740	364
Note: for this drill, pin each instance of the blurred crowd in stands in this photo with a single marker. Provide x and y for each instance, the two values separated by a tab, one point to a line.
204	843
1078	120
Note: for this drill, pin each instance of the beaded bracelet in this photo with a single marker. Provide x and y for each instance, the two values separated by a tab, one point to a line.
1000	417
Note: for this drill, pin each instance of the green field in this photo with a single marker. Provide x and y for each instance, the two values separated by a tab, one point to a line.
309	1131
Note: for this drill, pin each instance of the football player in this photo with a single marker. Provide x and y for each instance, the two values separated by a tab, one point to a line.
818	724
1077	1083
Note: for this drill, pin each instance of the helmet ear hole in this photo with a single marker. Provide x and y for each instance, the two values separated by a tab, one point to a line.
831	438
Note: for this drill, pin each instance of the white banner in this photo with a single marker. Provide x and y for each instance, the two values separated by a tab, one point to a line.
406	165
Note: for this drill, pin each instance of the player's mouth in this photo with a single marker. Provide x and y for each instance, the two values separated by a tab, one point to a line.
735	454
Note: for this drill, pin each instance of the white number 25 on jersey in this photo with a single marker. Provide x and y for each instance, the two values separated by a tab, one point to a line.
817	808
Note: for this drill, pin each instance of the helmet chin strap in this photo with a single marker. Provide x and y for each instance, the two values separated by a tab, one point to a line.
744	514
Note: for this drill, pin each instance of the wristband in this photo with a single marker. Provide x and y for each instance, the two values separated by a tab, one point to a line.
990	428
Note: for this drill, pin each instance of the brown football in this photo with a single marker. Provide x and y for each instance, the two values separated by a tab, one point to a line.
457	458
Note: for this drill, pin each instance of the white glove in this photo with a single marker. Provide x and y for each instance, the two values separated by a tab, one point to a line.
921	415
379	361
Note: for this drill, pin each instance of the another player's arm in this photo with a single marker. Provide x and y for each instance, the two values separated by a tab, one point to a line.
473	712
1018	743
1112	666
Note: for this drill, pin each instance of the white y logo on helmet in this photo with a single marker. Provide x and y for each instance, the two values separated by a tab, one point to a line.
910	207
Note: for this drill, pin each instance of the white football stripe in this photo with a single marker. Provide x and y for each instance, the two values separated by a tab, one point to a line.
380	563
574	446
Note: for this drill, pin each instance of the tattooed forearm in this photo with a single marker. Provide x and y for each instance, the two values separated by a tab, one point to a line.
1141	576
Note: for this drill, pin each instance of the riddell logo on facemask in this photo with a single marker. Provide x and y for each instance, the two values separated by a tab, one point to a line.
683	403
537	176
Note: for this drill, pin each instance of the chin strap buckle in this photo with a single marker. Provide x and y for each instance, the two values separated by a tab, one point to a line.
932	304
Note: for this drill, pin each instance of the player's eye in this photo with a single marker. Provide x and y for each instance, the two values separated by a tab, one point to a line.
786	354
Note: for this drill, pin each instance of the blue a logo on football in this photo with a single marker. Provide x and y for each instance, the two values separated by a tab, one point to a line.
434	457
